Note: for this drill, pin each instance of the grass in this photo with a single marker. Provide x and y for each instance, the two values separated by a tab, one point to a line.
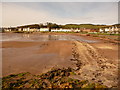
104	34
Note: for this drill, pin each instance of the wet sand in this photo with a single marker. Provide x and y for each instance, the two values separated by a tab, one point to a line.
96	62
35	57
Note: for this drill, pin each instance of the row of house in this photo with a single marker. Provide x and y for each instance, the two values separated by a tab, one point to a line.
36	28
29	28
9	29
112	30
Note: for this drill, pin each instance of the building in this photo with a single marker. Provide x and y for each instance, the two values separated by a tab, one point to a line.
77	30
101	30
110	29
9	29
61	30
29	28
88	30
44	29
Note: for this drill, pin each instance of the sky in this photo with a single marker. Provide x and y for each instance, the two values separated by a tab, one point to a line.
60	0
23	13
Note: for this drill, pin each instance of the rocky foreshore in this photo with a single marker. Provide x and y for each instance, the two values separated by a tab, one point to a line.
56	78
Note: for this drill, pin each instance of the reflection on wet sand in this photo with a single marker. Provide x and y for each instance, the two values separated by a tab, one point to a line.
37	37
35	57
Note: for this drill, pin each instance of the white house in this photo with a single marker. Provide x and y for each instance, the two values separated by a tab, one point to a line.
106	29
61	30
77	30
9	29
66	30
44	29
19	29
55	30
29	28
26	29
116	29
101	30
112	29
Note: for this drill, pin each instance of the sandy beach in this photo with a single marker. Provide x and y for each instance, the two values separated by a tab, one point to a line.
97	62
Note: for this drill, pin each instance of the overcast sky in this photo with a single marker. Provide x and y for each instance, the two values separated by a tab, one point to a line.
60	0
21	13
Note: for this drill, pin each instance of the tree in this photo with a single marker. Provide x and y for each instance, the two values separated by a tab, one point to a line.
49	25
41	25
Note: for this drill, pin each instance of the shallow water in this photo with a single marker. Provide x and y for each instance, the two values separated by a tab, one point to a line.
36	37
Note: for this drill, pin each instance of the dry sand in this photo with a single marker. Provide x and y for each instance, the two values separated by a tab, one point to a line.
97	62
